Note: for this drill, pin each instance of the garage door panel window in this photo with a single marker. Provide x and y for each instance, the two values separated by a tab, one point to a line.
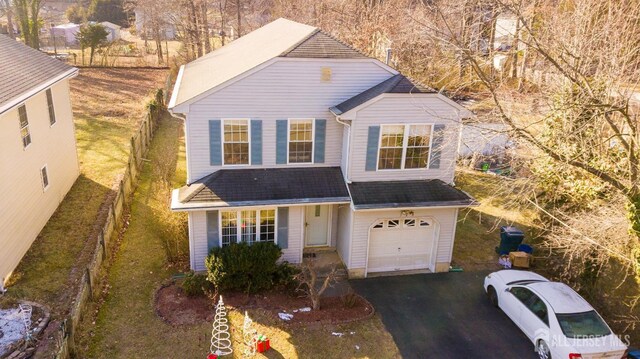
404	146
424	223
410	223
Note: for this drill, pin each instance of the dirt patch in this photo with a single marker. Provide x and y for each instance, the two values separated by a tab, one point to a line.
175	307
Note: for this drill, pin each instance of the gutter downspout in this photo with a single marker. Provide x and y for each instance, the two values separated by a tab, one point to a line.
348	162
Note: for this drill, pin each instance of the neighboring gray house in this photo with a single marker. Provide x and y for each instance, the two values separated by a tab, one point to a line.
113	30
296	138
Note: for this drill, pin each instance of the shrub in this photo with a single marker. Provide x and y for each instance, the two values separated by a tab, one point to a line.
350	299
196	284
248	268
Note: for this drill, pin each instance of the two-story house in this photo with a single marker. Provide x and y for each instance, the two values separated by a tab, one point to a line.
296	138
38	160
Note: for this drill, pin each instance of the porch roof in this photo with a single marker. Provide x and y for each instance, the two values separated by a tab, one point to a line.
405	194
262	187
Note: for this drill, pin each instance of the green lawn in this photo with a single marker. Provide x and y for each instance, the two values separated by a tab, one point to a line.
127	326
108	105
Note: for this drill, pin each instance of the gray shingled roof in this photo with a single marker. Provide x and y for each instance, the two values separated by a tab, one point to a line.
320	45
401	194
23	69
395	84
246	187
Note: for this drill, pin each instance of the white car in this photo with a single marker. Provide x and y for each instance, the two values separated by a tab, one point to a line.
557	320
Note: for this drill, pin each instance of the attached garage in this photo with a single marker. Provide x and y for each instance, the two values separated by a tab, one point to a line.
402	244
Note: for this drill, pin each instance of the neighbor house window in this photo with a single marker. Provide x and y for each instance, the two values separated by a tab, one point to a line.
300	141
404	146
248	226
45	177
236	142
24	126
52	111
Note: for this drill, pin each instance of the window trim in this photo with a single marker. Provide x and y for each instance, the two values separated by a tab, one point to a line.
405	145
51	108
313	139
46	170
238	212
248	140
24	105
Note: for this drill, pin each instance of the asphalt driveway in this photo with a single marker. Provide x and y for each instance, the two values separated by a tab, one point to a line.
444	315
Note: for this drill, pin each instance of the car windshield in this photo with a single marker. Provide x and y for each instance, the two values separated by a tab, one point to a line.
587	324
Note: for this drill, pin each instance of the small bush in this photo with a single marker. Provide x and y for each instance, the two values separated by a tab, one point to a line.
350	299
196	284
248	268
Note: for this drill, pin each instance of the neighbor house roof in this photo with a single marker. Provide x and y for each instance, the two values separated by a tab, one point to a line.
110	25
271	186
280	38
395	84
404	194
26	71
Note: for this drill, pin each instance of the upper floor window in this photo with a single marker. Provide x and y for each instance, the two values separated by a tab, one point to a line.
404	146
45	177
236	142
248	226
52	111
301	141
24	126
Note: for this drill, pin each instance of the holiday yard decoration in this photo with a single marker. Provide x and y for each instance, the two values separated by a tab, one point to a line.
220	336
250	336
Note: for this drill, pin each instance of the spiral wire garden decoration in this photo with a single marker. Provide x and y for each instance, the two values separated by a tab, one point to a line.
220	336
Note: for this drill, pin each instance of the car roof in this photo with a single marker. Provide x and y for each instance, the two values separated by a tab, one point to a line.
561	297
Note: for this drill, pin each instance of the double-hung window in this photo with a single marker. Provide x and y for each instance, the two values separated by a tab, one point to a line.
24	126
404	146
52	111
236	141
248	226
300	141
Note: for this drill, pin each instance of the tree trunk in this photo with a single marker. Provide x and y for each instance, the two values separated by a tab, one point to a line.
10	30
35	25
91	55
514	49
239	18
205	27
156	37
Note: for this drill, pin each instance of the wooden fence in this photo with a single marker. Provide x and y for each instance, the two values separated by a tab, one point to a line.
106	239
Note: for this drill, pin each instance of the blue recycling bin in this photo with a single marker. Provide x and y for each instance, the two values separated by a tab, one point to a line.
510	239
633	353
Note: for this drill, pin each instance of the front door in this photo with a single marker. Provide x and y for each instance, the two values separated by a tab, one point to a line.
317	225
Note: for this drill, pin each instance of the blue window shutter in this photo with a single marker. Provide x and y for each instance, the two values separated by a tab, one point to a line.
256	142
213	239
281	141
319	141
436	146
215	143
283	227
372	148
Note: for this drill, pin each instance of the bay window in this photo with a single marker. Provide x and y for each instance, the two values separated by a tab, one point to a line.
248	226
404	146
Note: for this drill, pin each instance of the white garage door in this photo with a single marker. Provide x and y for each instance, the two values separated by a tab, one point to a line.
401	244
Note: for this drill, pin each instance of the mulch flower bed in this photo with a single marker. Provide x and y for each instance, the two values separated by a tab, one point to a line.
176	308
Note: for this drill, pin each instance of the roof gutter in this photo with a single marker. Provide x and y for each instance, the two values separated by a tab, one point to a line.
73	72
176	89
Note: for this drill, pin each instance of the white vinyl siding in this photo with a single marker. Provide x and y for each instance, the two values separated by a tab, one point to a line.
408	109
363	220
345	221
21	187
198	237
288	88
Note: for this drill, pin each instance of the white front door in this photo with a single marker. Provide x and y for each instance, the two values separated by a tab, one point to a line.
316	225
